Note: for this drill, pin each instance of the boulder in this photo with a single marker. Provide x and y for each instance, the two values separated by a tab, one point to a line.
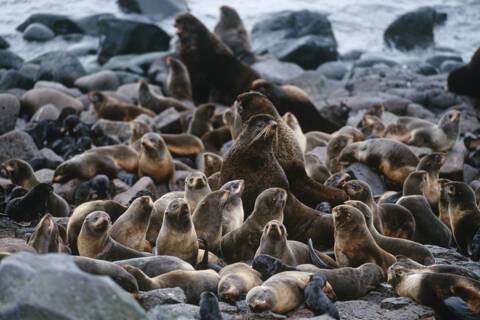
60	24
102	81
34	99
74	92
313	82
45	175
370	60
17	144
3	43
89	24
50	155
335	70
51	286
359	171
183	311
450	65
302	37
159	9
277	71
413	30
118	129
59	66
9	110
13	79
452	256
38	32
438	59
168	121
143	184
10	60
150	299
120	36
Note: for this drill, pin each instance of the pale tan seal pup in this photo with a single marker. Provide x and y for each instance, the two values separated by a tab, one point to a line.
236	280
196	188
232	214
110	108
177	236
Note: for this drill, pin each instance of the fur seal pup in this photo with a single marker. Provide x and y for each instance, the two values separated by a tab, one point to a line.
178	82
21	173
112	109
315	298
99	187
415	183
393	159
209	308
464	215
193	283
232	214
158	210
201	122
287	152
334	147
395	246
450	296
75	222
154	159
177	236
268	266
242	243
31	206
428	228
236	280
289	98
48	236
233	34
213	70
315	168
196	188
292	122
432	163
94	240
155	103
207	218
354	245
274	243
131	227
211	163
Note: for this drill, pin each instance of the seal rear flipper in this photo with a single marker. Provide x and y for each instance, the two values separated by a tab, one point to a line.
316	260
309	191
459	309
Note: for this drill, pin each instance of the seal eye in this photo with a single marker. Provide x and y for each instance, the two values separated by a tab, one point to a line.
355	187
259	125
240	108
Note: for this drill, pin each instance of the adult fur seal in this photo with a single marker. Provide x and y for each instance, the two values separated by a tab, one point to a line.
155	159
464	216
177	236
241	244
289	98
395	246
178	82
155	103
354	245
131	227
236	280
213	69
287	152
112	109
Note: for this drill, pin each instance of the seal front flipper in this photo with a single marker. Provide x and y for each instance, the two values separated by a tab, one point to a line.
316	260
309	191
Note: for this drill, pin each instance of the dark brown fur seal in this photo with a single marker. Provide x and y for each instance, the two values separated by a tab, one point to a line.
395	246
465	80
109	108
154	159
155	103
211	163
178	82
236	280
213	69
354	245
201	122
177	236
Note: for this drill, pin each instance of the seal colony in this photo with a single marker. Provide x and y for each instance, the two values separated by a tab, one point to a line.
234	202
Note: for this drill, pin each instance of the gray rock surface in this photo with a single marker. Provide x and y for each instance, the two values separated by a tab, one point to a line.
38	32
103	81
59	66
118	129
9	111
150	299
17	144
277	71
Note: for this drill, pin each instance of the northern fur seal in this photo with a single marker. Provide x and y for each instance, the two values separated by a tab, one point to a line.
201	122
236	280
48	237
233	215
178	82
112	109
155	103
431	164
292	122
196	187
154	159
211	163
31	206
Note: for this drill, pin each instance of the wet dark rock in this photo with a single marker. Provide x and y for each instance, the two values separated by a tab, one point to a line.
425	69
335	70
453	257
17	144
9	111
9	60
302	37
159	9
277	71
143	184
13	79
359	171
89	24
60	24
59	66
120	36
450	65
38	32
51	286
102	81
3	43
438	59
150	299
168	121
413	29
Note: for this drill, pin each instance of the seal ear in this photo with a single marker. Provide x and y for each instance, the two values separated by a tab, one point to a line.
253	239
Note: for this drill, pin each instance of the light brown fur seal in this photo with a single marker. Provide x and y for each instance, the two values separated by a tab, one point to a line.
155	160
112	109
48	237
154	103
196	188
236	280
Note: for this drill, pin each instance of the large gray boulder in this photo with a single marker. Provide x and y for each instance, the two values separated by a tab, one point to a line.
38	32
60	24
52	287
10	60
277	71
59	66
105	80
158	9
9	111
17	144
302	37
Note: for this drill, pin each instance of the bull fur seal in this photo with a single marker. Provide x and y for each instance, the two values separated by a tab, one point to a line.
395	246
193	283
354	245
21	173
110	108
131	227
48	237
113	208
242	243
232	33
177	236
201	122
196	187
450	296
236	280
392	158
203	53
94	240
464	216
274	243
178	82
154	159
154	103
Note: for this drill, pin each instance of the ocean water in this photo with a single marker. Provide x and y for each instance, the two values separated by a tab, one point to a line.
357	24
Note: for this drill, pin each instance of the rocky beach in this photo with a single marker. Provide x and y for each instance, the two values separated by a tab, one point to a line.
90	122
